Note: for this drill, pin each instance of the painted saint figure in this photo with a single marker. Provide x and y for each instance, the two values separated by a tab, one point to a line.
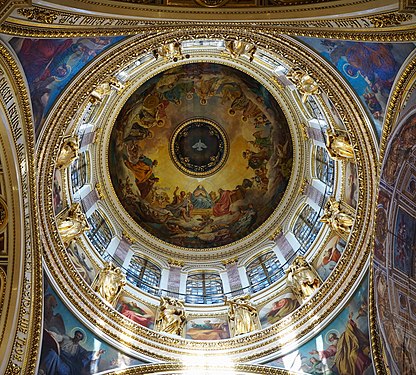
200	198
66	355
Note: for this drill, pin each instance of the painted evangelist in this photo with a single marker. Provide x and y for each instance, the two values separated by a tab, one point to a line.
159	177
68	347
342	348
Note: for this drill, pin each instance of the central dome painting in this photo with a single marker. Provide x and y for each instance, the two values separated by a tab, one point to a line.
200	155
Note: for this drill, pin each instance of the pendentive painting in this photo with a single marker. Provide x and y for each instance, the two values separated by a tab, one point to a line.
370	68
50	64
342	348
208	328
68	347
200	155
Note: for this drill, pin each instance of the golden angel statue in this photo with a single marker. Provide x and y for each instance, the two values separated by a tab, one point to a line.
237	48
338	146
338	220
72	224
104	89
306	84
171	317
109	283
68	152
170	51
242	315
302	279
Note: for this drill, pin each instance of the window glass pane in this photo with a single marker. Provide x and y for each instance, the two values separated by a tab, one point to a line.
324	167
204	287
144	274
100	233
79	170
263	271
307	227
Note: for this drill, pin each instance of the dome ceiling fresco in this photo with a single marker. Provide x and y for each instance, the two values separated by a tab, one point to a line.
200	155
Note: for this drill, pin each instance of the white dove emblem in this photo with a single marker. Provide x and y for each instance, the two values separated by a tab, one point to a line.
199	145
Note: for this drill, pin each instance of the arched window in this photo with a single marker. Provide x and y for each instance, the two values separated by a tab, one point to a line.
79	169
324	168
263	271
100	233
204	287
144	274
307	227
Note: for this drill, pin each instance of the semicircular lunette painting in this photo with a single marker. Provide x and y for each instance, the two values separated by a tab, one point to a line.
188	190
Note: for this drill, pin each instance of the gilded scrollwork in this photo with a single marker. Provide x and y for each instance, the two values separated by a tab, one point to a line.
23	338
390	19
4	215
212	3
38	14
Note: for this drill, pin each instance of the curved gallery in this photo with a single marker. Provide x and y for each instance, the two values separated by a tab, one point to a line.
158	92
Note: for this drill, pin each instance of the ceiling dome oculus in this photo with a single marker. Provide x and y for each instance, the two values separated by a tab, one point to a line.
199	147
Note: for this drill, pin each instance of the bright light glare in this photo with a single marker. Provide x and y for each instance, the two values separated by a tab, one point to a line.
201	364
292	361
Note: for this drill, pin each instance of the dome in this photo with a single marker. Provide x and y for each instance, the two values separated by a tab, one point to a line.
212	174
200	174
200	155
